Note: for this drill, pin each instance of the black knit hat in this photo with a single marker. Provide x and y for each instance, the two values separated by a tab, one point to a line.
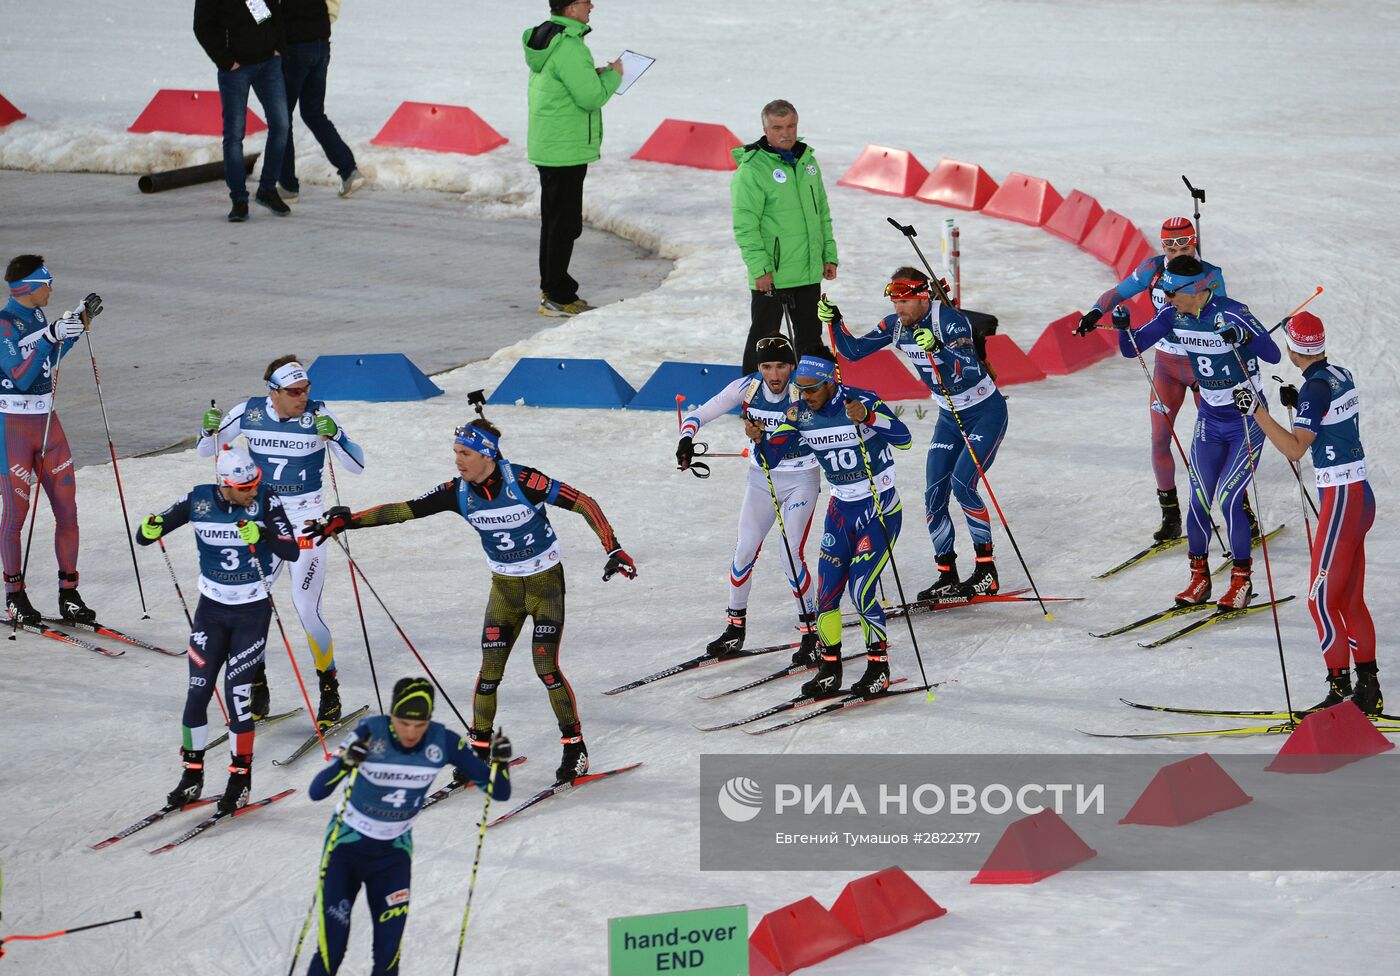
413	699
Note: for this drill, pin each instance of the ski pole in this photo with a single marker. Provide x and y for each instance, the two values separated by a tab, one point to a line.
354	584
889	542
318	899
257	563
170	567
1302	491
378	599
476	863
1181	451
1263	542
62	932
1283	320
782	531
908	231
117	474
1198	197
39	473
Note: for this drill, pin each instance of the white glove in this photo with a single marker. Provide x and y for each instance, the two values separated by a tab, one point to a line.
70	326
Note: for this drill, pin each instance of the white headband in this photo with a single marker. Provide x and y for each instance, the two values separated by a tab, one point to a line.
285	376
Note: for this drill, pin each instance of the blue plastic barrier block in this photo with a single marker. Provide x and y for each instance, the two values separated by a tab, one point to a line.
693	382
563	383
378	376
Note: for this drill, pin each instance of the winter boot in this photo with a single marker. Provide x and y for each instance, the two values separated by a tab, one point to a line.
1368	689
1338	689
21	609
983	581
947	585
810	651
733	637
240	784
575	761
1241	588
328	712
191	780
1253	522
1198	590
1171	517
828	680
877	671
262	698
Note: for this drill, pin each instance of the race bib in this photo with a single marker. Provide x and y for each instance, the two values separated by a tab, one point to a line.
259	10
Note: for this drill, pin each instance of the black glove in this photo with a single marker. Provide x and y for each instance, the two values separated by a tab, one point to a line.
685	452
334	522
355	753
1288	396
92	305
619	562
1089	322
500	747
1122	317
1232	334
1244	400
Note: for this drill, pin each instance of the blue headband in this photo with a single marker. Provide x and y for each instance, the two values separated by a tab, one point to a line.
481	441
38	279
815	368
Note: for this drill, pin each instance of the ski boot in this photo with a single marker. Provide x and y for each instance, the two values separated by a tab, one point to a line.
810	651
1368	689
1241	587
240	784
1171	517
983	581
1338	689
1253	522
1198	590
17	603
876	679
328	711
946	587
828	680
191	780
261	698
70	603
575	761
732	639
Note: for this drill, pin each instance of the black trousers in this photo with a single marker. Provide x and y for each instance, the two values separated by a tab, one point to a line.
767	318
561	223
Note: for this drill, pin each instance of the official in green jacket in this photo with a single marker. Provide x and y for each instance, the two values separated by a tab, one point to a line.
567	94
783	226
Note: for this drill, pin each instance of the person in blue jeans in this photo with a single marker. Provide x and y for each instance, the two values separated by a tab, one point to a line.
245	40
305	63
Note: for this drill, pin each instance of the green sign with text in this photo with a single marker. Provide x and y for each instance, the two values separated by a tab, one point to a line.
705	942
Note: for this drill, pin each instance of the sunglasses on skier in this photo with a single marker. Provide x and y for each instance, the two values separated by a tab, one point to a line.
1179	242
902	289
773	344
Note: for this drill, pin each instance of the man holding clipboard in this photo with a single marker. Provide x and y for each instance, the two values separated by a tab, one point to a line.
567	95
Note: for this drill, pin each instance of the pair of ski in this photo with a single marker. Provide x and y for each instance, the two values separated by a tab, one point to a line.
45	630
1277	723
197	829
314	739
1219	615
938	603
451	789
1157	548
825	706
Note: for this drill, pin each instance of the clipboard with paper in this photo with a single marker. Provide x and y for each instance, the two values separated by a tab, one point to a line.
633	66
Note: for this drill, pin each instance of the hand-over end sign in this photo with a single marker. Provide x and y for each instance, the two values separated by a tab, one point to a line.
704	942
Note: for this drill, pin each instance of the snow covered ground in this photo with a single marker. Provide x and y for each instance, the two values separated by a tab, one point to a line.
1285	113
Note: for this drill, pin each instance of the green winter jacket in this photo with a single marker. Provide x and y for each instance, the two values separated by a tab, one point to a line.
567	94
781	218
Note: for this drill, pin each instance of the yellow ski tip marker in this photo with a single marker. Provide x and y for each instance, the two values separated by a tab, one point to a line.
1049	616
931	696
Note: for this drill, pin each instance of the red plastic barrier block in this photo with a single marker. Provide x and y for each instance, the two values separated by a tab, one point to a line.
760	965
1010	363
702	145
1024	199
1186	791
1136	249
883	372
438	128
962	186
191	113
1107	238
1059	352
884	903
880	169
1075	217
801	934
1328	740
8	113
1032	849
